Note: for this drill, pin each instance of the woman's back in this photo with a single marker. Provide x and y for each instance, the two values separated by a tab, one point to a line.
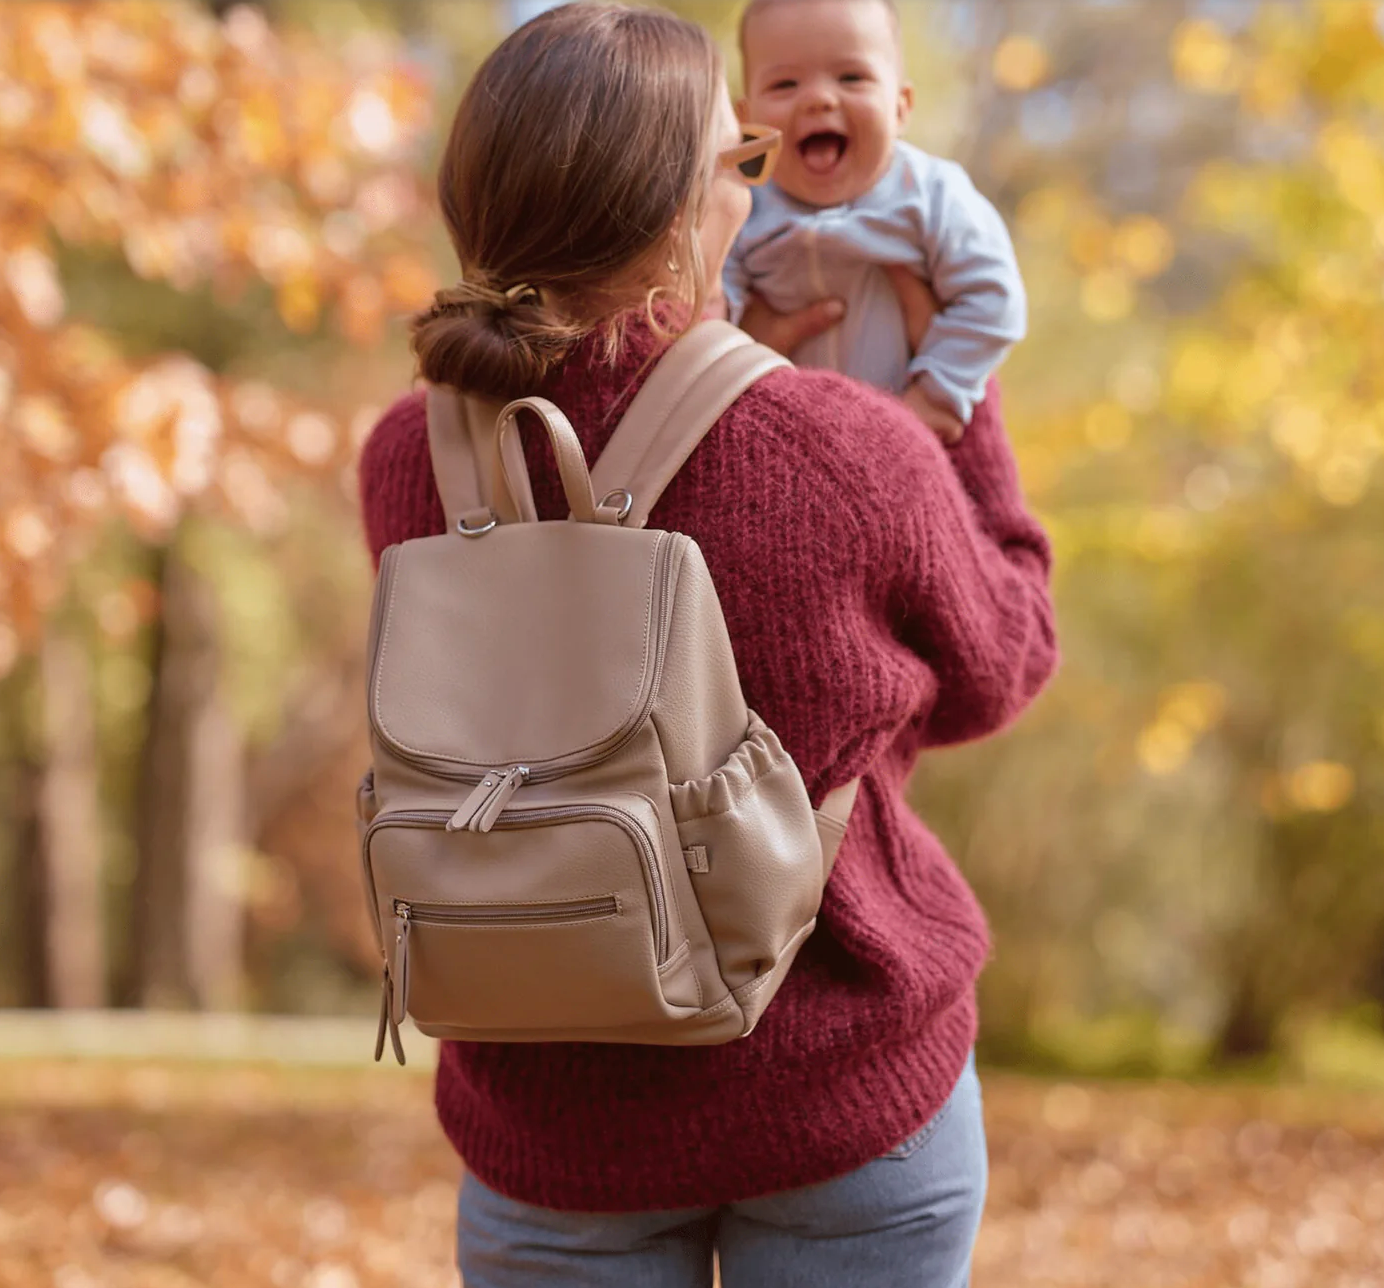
879	597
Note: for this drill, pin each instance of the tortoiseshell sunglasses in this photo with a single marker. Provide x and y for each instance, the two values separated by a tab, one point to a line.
755	155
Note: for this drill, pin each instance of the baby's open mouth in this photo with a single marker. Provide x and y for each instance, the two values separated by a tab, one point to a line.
823	151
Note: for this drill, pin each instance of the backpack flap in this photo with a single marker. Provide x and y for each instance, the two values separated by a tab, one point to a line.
469	677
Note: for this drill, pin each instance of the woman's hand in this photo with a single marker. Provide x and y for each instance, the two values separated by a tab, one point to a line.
786	332
916	299
920	306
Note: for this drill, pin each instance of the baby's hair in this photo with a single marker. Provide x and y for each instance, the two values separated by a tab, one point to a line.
758	6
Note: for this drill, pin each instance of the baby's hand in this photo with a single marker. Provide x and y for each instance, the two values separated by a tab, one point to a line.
935	415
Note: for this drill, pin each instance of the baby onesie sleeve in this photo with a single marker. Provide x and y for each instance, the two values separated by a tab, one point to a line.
973	271
735	282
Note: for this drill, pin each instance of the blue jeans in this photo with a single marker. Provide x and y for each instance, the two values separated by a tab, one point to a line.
909	1218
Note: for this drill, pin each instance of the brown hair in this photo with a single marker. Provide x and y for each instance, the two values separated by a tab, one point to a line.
578	165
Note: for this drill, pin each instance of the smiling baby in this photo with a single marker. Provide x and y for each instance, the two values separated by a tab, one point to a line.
849	198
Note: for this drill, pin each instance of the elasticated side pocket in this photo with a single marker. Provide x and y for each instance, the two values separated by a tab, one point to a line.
751	846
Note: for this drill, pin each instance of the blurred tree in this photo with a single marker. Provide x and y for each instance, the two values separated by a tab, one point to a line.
1189	829
200	155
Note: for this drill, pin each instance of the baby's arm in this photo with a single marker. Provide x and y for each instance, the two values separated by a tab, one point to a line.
975	276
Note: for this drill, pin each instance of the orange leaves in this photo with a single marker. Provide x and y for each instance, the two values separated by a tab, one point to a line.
204	151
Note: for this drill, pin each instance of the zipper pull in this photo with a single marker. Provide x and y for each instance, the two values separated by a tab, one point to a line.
480	810
388	1024
513	779
398	1006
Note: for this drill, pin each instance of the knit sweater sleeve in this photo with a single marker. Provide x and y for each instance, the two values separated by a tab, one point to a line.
398	497
971	581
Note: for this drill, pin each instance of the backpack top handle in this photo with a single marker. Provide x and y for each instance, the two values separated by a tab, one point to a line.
571	465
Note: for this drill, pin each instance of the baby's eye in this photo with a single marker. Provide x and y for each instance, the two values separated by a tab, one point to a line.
784	84
853	78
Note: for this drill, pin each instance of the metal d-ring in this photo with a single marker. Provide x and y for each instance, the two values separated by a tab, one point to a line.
477	532
626	506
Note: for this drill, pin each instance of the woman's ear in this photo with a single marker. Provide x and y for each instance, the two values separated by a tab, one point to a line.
905	102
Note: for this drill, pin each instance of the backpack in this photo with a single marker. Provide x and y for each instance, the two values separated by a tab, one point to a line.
573	828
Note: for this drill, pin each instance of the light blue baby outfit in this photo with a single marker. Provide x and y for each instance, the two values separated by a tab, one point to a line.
924	212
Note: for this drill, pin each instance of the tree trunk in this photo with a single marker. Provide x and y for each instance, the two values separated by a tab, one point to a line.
30	908
214	912
69	812
188	903
1247	1032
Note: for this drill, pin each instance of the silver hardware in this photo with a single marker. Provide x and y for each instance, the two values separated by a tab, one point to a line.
482	530
626	505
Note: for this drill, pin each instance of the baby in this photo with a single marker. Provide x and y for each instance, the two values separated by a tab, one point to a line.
849	198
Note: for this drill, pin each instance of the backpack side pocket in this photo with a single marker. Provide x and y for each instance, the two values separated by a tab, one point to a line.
750	843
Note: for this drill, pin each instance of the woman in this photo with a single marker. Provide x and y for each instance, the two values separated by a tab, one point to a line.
883	594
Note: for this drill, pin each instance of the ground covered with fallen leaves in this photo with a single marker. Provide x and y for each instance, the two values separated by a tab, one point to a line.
126	1175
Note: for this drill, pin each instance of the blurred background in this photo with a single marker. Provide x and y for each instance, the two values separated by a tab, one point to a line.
213	222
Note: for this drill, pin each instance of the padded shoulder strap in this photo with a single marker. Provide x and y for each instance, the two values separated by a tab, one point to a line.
462	433
703	372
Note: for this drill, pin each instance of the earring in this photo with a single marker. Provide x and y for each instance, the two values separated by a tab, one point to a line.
673	266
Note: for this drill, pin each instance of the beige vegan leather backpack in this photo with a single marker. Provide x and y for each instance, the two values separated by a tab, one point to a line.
574	828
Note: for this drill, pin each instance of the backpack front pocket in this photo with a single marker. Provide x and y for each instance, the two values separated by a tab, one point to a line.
468	947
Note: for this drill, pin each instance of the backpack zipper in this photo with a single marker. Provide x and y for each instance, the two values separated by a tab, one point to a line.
440	767
514	820
508	914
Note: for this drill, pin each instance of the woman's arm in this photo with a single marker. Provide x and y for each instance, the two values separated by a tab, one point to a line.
398	497
973	580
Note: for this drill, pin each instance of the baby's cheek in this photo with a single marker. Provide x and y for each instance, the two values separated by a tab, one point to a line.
764	111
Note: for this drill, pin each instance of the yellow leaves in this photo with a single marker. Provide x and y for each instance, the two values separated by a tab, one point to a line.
1337	454
1108	426
1044	212
1136	385
1271	88
1196	373
1020	64
1353	160
1317	787
299	301
1185	713
1107	295
257	130
1222	194
1145	246
1204	58
1343	479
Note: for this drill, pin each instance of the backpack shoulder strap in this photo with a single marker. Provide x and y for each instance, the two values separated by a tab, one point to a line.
461	439
702	373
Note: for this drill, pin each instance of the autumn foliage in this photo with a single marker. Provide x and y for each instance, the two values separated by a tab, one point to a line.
202	153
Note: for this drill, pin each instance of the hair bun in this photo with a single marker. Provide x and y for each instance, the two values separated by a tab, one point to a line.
486	341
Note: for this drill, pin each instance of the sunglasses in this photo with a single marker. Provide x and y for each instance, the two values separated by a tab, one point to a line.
755	155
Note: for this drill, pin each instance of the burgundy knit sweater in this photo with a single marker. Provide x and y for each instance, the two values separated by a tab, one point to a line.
883	595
